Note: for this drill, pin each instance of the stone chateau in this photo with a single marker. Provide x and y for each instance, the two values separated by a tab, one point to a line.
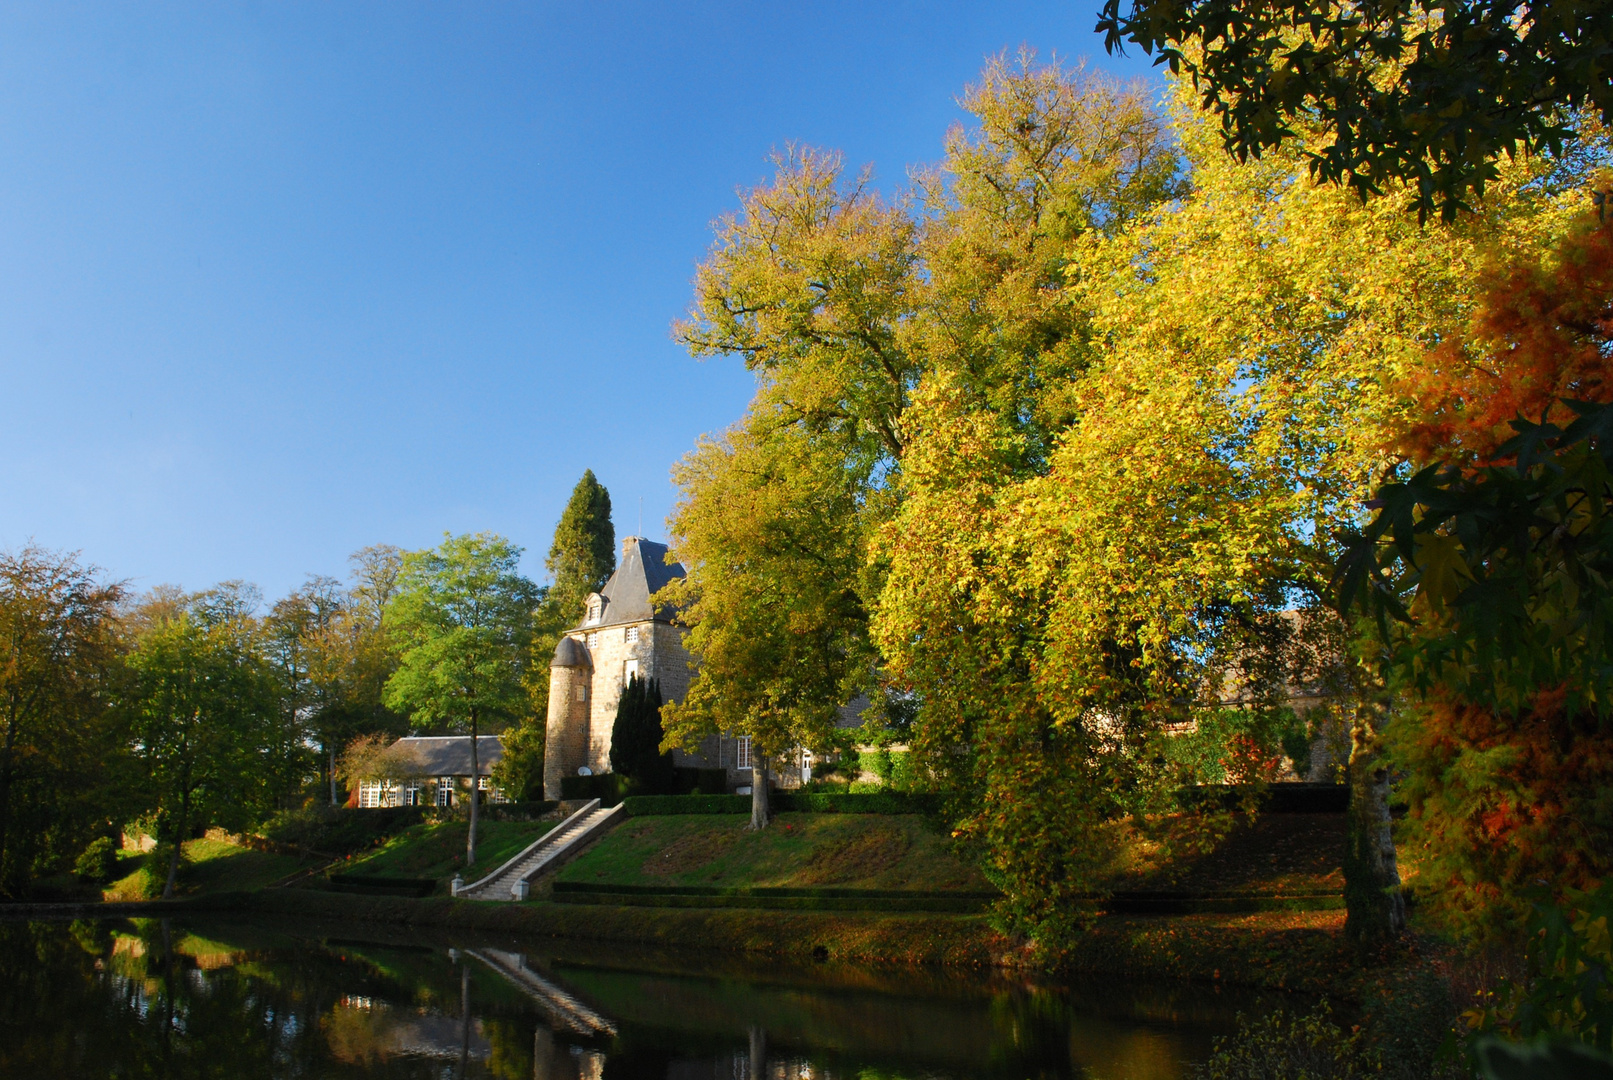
621	635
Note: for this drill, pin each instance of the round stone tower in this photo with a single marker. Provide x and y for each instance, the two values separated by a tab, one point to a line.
566	742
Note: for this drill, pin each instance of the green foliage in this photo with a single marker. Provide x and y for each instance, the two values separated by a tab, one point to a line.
1282	1045
63	756
608	788
205	711
1569	991
463	617
339	831
519	770
1506	568
583	554
635	747
1396	85
98	861
582	558
815	802
1549	1060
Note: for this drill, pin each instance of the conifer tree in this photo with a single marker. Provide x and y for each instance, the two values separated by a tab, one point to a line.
635	741
582	558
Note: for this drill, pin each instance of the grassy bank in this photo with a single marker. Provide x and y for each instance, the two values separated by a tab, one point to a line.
953	940
861	851
214	864
437	851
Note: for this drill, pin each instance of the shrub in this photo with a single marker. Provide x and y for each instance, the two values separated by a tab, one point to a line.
1280	1046
608	788
340	831
98	862
881	802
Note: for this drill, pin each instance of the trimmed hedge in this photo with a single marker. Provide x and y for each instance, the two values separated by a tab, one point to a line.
1275	799
956	905
816	802
608	788
382	886
806	892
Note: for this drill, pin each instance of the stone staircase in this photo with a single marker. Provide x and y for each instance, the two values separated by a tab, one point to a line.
512	880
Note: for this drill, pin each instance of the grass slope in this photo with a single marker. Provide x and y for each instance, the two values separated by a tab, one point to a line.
869	851
438	851
213	864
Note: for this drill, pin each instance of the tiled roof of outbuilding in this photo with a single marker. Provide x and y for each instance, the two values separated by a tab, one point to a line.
449	755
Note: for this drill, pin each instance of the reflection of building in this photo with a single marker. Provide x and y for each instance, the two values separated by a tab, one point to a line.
433	770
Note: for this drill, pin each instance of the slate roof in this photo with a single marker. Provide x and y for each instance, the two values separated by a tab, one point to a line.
570	654
641	573
449	755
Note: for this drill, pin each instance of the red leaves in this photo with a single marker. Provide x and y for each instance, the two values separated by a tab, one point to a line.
1540	334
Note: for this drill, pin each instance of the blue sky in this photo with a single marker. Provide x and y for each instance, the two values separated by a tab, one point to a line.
281	280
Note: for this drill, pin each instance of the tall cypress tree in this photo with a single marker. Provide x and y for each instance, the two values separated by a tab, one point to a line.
581	559
635	739
583	555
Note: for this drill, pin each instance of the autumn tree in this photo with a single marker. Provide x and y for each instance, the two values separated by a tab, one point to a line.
1486	570
59	646
768	529
463	615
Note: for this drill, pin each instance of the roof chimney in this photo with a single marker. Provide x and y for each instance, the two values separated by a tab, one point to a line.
628	542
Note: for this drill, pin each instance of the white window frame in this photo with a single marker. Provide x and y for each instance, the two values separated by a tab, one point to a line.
630	668
593	640
445	791
630	635
742	755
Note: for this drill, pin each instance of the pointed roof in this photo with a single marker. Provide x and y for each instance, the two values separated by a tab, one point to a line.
642	572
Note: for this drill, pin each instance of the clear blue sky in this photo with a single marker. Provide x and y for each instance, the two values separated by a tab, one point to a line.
281	280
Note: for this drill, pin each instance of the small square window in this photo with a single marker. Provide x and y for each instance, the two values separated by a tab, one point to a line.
632	635
593	640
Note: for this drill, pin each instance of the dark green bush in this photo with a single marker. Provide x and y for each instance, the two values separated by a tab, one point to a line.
882	802
608	788
688	780
99	861
340	831
1282	1046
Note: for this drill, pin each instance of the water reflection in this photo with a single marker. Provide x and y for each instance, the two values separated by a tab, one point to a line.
160	999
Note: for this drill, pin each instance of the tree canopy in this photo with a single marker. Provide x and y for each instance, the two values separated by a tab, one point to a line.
1422	95
463	619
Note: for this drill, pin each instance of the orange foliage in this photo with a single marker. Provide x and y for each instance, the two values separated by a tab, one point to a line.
1504	805
1540	334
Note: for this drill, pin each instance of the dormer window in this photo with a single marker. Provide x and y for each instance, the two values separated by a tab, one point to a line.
596	608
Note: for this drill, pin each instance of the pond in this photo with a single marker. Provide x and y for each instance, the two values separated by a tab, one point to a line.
187	999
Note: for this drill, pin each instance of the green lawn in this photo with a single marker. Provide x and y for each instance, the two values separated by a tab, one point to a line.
212	864
868	851
438	851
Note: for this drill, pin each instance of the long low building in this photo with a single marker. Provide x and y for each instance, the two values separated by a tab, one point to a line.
434	770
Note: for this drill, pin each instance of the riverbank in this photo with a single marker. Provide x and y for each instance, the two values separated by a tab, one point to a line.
1296	952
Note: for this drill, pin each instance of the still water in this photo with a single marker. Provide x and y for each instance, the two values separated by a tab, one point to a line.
165	999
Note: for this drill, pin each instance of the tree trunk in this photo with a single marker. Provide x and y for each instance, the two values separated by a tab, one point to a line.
475	782
1375	908
173	858
760	812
